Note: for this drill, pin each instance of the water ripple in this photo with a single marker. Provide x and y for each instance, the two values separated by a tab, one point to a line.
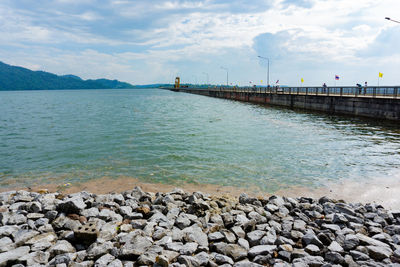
161	136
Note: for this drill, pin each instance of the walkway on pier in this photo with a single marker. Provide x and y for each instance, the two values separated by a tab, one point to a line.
374	102
348	91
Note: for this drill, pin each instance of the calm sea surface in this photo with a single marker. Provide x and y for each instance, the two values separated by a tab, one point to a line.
162	136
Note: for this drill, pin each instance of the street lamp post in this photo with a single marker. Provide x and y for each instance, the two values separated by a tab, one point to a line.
392	20
227	80
208	82
268	68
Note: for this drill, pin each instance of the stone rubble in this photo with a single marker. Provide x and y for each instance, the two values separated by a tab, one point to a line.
138	228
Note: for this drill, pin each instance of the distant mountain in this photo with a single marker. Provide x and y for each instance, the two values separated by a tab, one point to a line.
18	78
154	85
72	76
112	83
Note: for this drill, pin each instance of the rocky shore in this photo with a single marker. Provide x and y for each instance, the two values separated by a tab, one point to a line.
137	228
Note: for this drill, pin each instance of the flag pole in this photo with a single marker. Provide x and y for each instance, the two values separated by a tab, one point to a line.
380	75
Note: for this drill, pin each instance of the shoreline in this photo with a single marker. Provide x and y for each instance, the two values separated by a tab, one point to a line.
177	228
380	191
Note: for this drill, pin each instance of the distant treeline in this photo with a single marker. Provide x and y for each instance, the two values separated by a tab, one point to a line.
18	78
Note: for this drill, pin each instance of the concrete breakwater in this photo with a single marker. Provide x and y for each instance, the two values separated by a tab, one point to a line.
378	103
137	228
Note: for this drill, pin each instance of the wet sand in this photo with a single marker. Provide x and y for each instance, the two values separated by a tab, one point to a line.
385	192
107	185
381	191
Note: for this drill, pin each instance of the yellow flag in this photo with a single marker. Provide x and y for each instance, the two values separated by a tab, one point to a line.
380	74
302	80
261	81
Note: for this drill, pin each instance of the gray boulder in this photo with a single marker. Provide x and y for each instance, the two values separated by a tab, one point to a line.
7	230
202	258
92	212
365	240
182	221
61	247
34	258
45	237
174	246
21	236
13	255
299	225
222	259
97	250
109	215
247	263
312	249
243	243
6	244
238	231
135	248
359	256
334	257
379	253
189	248
261	250
234	251
115	263
216	237
254	237
350	242
335	247
72	205
104	260
195	234
309	261
188	261
15	218
311	238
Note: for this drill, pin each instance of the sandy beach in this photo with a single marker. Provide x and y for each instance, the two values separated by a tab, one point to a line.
379	191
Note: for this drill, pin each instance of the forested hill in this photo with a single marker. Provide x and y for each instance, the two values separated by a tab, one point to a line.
18	78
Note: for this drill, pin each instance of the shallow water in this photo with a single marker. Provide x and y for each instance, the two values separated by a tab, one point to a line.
174	138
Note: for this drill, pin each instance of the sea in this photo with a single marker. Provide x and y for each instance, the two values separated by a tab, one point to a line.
159	136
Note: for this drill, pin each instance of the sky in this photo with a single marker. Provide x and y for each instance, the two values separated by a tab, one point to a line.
152	41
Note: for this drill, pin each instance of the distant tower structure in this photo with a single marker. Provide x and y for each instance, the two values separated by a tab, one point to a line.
177	82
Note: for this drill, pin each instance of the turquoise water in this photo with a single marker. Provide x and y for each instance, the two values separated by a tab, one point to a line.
162	136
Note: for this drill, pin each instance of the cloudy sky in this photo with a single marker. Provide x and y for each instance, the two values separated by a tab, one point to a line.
152	41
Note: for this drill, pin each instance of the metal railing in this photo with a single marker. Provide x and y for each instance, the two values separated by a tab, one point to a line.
345	91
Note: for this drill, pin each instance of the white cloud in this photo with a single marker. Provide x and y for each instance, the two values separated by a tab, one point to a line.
75	2
152	37
173	5
89	16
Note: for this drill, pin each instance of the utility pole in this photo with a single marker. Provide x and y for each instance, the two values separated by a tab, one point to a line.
267	68
208	81
227	79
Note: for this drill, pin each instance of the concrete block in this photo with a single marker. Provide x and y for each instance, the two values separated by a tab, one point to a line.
87	233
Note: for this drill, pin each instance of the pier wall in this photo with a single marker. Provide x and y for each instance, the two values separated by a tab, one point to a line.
378	108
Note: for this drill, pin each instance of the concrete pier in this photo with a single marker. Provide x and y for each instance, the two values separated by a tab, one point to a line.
372	102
